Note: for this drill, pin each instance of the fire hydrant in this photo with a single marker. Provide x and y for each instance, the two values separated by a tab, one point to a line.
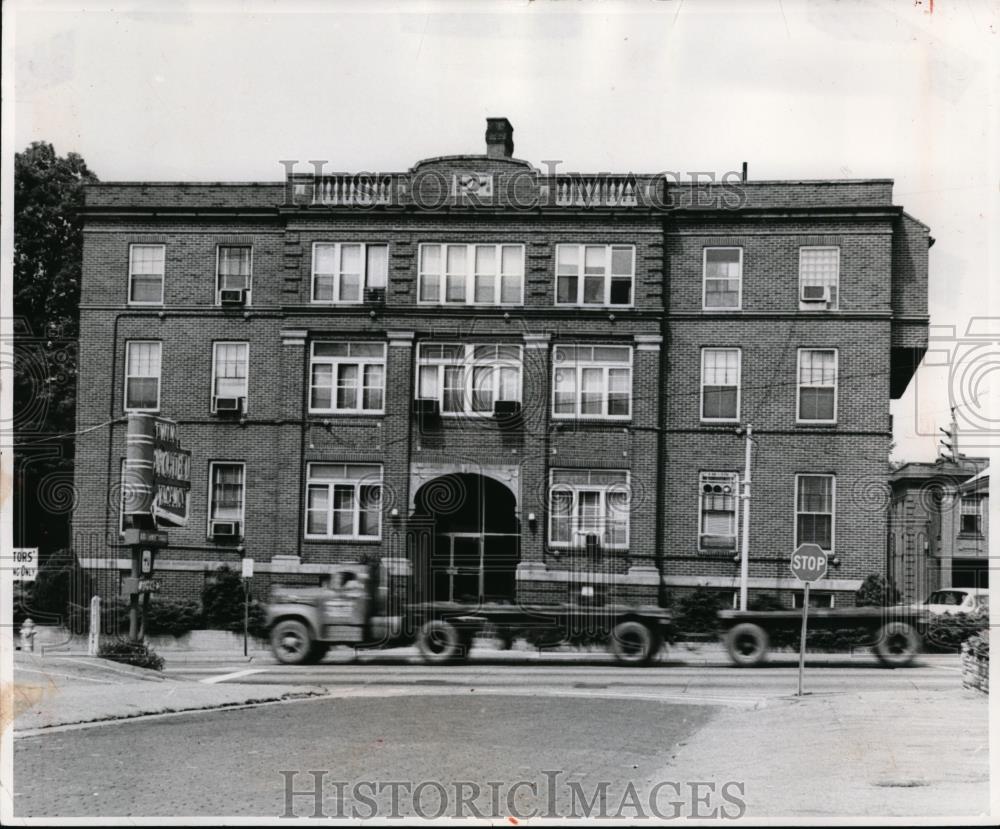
28	635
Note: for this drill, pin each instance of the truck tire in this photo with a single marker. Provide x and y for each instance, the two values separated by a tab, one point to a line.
440	642
291	642
633	643
747	644
897	644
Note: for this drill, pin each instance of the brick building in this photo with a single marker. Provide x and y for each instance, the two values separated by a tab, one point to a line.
500	380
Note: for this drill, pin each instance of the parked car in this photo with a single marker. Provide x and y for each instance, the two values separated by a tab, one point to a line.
953	600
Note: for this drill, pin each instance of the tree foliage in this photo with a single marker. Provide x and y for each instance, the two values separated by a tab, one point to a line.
48	247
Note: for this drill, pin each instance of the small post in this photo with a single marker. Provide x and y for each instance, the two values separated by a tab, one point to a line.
246	613
802	641
94	636
745	534
28	635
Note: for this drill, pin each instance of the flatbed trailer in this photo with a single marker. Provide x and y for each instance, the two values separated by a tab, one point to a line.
304	623
896	633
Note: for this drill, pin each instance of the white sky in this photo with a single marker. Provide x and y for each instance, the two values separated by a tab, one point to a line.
222	91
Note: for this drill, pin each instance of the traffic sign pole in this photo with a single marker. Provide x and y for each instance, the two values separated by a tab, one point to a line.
802	641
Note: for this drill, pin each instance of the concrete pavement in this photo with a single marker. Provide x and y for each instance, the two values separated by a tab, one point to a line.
58	691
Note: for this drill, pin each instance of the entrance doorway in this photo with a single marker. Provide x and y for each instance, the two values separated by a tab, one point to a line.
475	539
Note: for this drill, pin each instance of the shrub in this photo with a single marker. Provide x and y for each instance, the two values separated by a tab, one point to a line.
172	617
122	649
875	591
764	601
947	632
222	605
697	611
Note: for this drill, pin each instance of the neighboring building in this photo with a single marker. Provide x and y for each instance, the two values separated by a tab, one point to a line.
503	381
939	526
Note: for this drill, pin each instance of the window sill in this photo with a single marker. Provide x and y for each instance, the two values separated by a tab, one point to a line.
341	539
319	415
735	421
829	424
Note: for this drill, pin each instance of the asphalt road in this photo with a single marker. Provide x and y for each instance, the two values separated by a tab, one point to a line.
486	725
230	762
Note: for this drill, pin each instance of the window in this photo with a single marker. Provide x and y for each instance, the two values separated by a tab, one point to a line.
593	503
720	383
233	270
594	274
343	501
226	493
229	373
718	499
347	378
972	516
814	505
819	277
592	381
817	402
816	600
723	278
468	378
145	274
471	274
142	375
343	271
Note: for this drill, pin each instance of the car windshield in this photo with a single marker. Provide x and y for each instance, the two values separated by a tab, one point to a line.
950	597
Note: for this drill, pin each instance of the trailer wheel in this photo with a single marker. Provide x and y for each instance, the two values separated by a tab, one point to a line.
747	644
633	643
897	644
291	642
440	642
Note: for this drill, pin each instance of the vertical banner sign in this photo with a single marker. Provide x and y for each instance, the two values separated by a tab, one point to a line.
157	477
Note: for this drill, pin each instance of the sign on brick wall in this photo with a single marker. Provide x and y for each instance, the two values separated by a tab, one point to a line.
157	475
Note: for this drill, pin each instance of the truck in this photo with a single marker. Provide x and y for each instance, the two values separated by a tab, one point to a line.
895	633
352	606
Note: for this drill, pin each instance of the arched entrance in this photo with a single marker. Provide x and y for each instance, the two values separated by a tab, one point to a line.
475	533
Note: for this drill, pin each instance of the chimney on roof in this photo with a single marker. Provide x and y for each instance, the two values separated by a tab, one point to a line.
499	138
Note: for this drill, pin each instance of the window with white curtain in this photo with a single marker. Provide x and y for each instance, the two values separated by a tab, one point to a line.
142	375
229	371
817	391
589	502
342	271
234	269
343	501
458	274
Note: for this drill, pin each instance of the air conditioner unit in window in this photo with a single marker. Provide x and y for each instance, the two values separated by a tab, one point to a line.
816	293
232	296
374	296
506	409
225	529
426	407
229	405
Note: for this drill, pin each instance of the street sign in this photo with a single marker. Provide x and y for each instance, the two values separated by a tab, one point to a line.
808	562
148	586
146	538
25	563
248	568
147	562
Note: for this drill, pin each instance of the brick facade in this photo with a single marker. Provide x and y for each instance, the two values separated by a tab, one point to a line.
879	325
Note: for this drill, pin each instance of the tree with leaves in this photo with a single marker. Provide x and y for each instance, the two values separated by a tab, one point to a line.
48	247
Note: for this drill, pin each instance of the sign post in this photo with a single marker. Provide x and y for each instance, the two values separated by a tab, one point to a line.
247	575
156	484
808	564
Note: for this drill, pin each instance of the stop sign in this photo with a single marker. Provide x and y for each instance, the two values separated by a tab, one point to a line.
808	562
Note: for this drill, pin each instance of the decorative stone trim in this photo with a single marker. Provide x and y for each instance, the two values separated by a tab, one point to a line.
294	336
536	341
758	583
536	571
648	342
401	339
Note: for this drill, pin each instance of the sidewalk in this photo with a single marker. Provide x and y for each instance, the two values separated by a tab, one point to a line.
64	690
869	753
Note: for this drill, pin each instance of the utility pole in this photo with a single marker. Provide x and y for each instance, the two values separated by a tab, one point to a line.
745	534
